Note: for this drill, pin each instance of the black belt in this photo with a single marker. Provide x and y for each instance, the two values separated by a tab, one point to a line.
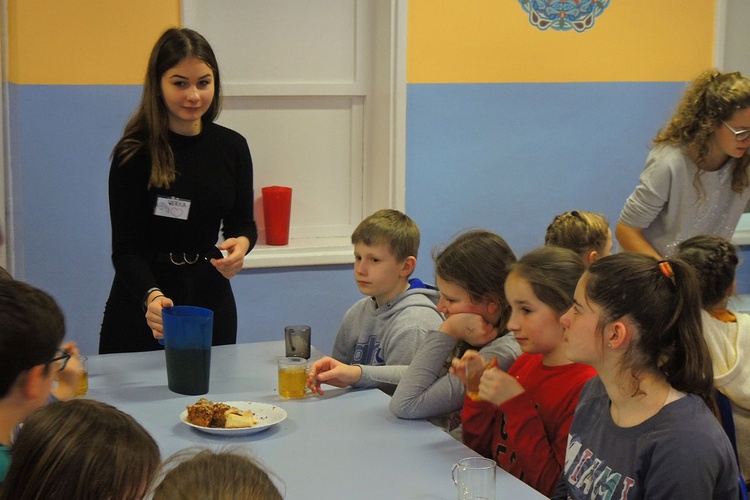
181	258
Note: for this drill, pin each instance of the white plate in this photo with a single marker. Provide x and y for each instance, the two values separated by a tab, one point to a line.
266	415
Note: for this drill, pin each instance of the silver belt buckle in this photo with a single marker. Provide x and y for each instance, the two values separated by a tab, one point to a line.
185	259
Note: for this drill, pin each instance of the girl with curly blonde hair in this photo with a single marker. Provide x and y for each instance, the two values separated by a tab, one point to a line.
696	176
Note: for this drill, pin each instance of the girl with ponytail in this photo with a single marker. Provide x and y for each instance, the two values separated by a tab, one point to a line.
643	428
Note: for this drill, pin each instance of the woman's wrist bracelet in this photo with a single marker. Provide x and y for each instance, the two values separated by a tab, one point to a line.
160	295
149	292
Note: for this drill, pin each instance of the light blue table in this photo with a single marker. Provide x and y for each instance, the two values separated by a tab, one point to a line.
344	445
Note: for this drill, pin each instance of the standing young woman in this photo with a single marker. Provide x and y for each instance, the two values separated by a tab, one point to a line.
643	428
696	177
176	179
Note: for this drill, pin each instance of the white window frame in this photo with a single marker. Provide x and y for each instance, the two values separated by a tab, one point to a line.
5	256
384	157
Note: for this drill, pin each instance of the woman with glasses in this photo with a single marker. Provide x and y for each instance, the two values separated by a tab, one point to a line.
696	176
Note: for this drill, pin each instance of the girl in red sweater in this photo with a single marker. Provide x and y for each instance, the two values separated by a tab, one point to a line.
523	416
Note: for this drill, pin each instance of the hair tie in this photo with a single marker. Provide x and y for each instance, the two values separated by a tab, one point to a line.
666	269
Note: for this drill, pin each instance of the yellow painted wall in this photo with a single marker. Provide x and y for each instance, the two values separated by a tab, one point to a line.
95	42
84	42
482	41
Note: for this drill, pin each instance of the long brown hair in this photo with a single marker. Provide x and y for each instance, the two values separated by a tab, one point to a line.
81	449
663	301
148	129
553	273
478	261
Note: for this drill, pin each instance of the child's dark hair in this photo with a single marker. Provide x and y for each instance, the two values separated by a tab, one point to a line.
662	299
553	273
715	260
478	261
391	228
32	326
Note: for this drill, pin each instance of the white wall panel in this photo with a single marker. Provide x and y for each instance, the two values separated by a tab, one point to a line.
318	89
313	145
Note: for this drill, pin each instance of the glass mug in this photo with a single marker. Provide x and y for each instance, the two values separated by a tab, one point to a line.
474	478
292	377
475	367
83	379
297	340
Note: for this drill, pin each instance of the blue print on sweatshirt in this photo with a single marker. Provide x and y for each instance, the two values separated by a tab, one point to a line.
369	352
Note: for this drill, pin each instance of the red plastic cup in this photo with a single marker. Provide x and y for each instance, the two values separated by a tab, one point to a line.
277	207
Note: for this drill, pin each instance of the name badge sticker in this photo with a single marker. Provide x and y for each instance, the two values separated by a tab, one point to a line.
174	208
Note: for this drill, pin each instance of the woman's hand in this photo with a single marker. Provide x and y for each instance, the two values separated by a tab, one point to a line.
469	327
236	250
68	379
153	314
458	366
332	372
497	387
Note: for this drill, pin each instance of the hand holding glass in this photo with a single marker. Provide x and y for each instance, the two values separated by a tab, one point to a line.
83	377
475	367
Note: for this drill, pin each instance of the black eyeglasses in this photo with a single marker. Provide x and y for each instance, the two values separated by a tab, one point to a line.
61	356
739	135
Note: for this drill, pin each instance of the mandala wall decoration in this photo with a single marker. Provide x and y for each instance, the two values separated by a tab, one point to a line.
564	15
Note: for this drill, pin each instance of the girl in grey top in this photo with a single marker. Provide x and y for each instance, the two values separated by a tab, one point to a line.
470	273
696	177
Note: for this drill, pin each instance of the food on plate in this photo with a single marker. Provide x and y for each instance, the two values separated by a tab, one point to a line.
219	417
201	413
206	413
236	419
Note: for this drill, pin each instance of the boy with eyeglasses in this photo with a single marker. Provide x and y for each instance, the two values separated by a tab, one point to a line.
32	327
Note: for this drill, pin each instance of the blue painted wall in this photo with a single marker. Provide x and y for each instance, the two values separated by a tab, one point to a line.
509	157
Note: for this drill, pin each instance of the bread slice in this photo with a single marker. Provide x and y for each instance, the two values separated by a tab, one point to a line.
236	419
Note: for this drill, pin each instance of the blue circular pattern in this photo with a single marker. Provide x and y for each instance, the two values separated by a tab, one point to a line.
564	15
